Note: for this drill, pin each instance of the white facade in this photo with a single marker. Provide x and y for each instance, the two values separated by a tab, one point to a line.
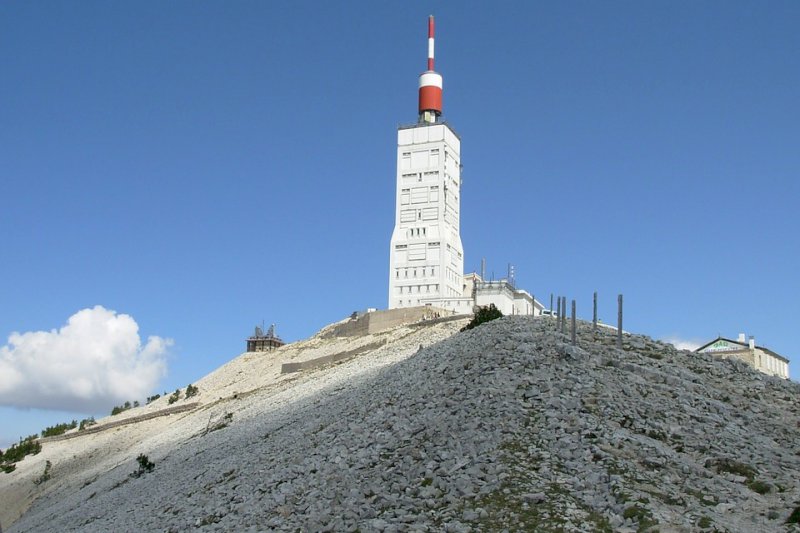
503	295
760	358
426	260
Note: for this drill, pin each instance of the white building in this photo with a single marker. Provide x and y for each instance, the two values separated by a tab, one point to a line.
426	262
760	358
426	257
503	295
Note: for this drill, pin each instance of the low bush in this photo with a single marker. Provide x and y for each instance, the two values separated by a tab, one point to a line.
122	408
759	486
483	314
174	397
145	466
45	476
731	466
191	390
59	429
17	452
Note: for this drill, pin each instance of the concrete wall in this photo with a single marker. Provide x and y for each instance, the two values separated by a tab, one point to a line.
123	422
378	321
757	358
769	364
287	368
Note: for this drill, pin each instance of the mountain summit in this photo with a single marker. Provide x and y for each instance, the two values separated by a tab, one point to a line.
424	428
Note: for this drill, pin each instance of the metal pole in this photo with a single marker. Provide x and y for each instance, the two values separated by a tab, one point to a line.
594	313
558	314
619	322
564	319
574	334
551	304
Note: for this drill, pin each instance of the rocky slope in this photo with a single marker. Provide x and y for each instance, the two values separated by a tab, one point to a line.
506	426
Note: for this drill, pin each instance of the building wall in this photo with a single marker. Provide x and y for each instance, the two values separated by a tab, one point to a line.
524	304
426	258
769	364
377	321
497	293
756	357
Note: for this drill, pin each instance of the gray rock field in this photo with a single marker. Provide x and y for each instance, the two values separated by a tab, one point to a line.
506	427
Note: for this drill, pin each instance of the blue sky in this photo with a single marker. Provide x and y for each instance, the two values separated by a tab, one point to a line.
195	168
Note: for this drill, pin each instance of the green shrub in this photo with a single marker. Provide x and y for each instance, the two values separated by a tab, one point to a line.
17	452
220	423
732	467
145	465
483	314
45	476
794	518
174	397
704	522
86	422
191	390
151	399
759	487
59	429
124	407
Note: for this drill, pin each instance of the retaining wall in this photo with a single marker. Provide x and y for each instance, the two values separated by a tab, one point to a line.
125	421
287	368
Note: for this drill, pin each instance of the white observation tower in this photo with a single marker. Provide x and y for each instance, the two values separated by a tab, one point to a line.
426	259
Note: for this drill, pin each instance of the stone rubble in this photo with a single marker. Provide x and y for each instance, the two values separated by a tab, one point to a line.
506	427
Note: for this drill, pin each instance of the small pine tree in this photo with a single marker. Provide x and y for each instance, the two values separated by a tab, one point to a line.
174	397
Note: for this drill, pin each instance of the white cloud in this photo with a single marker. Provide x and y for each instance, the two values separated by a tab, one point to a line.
96	360
684	344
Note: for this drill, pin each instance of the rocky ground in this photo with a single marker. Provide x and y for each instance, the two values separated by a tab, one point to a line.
504	427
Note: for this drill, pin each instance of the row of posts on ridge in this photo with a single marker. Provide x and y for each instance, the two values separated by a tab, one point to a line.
561	317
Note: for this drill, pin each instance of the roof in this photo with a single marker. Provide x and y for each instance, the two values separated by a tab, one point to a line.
743	345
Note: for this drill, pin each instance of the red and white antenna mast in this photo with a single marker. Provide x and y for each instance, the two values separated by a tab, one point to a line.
430	86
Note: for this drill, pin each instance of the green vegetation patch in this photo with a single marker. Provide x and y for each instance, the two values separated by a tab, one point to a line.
59	429
124	407
45	475
759	487
704	522
483	314
641	515
145	466
732	466
17	452
174	397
